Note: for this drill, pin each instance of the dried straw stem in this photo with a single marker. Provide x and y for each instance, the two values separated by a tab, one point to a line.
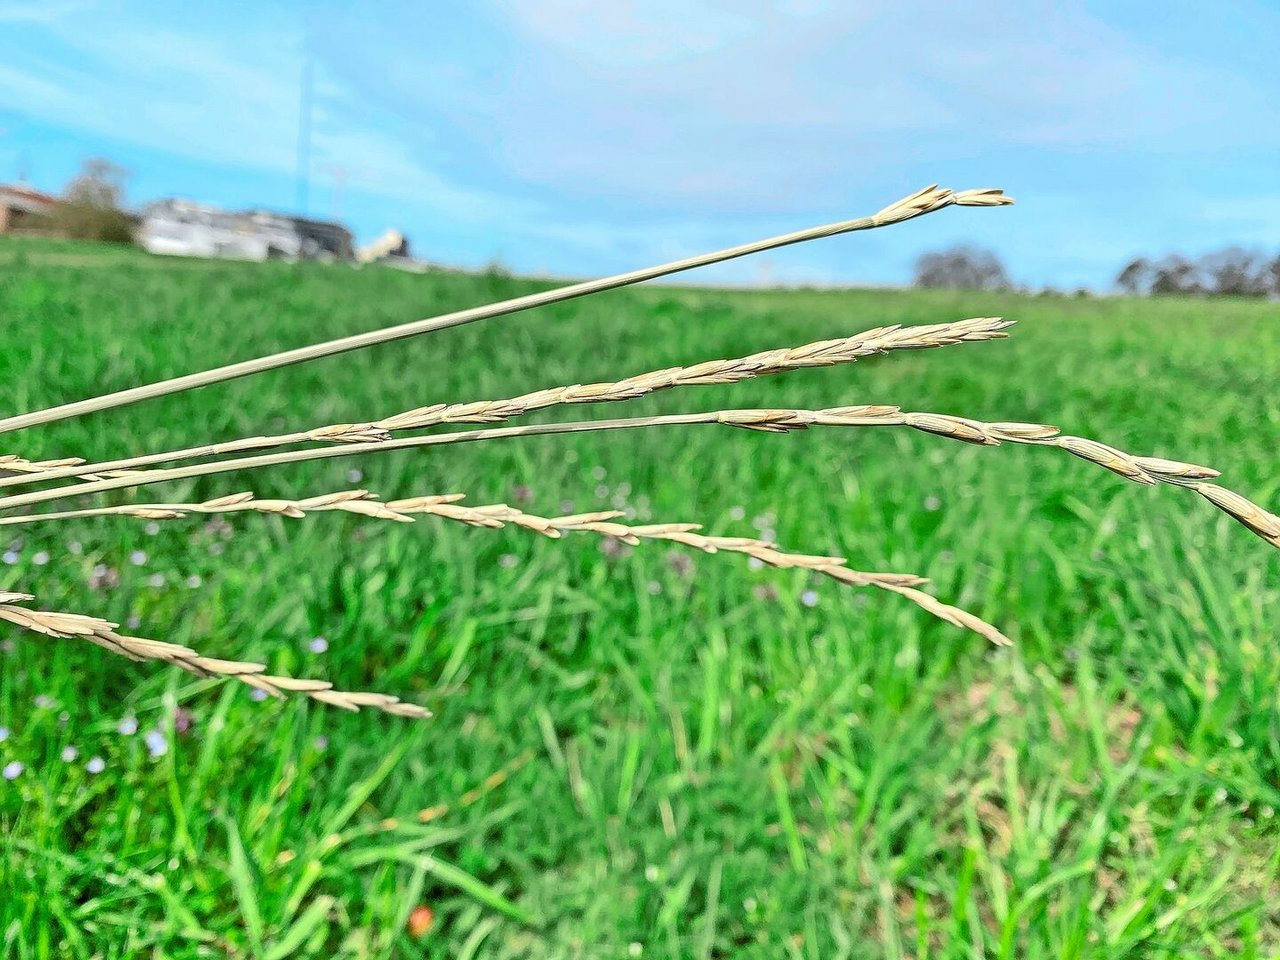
823	353
924	201
602	523
34	471
103	633
1145	470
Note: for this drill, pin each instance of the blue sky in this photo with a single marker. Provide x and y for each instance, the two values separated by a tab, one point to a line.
589	136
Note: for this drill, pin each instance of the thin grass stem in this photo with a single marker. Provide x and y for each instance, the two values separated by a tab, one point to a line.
922	202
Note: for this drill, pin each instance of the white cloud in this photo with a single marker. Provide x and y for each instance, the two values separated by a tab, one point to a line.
224	100
752	104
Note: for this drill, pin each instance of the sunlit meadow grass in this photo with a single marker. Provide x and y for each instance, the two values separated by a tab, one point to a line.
637	750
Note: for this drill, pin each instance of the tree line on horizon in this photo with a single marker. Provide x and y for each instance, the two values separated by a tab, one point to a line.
1230	272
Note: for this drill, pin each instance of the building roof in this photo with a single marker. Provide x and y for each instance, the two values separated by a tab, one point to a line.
21	197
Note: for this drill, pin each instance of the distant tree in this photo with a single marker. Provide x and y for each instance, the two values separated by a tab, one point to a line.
1136	277
90	208
1175	274
963	268
1237	273
1273	277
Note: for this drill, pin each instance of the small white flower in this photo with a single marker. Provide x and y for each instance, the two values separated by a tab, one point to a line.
755	563
96	765
322	743
152	528
44	702
128	726
156	580
932	503
508	560
157	743
138	558
4	734
41	558
193	582
75	547
258	695
13	770
318	645
809	598
69	754
355	475
10	557
737	513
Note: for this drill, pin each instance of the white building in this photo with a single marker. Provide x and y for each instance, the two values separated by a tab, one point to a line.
187	229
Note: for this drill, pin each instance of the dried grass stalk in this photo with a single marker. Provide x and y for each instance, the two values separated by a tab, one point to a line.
925	201
103	633
33	471
823	353
604	523
1144	470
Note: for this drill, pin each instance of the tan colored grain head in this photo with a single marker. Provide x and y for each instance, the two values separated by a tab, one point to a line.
103	633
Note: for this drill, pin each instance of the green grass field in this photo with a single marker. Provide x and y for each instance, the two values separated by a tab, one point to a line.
633	755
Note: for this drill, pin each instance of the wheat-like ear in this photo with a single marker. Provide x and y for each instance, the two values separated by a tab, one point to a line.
823	353
497	515
1145	470
928	200
103	633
